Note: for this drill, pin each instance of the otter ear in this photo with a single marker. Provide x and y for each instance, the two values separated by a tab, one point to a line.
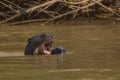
29	39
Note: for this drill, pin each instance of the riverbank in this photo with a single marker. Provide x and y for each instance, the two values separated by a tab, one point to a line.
82	21
24	11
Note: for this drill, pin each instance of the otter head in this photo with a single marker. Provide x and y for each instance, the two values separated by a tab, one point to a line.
45	43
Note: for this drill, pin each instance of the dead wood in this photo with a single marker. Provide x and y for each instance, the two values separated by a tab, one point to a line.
51	10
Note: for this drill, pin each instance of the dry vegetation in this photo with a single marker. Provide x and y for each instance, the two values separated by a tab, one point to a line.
22	11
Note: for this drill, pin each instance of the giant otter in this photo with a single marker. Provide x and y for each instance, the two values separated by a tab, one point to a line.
58	50
42	44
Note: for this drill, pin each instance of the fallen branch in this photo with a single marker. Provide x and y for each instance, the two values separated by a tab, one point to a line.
28	21
50	10
76	3
9	7
70	12
41	5
3	15
29	10
110	9
13	4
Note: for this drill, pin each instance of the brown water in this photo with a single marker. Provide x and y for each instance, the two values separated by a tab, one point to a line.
93	52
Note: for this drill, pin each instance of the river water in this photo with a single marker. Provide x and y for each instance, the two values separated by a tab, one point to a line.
93	52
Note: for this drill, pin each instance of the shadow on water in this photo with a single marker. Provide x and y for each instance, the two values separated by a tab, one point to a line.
92	52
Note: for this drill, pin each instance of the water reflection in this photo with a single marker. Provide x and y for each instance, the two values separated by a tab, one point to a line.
46	61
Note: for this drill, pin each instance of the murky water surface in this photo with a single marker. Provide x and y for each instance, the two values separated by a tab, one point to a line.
93	52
